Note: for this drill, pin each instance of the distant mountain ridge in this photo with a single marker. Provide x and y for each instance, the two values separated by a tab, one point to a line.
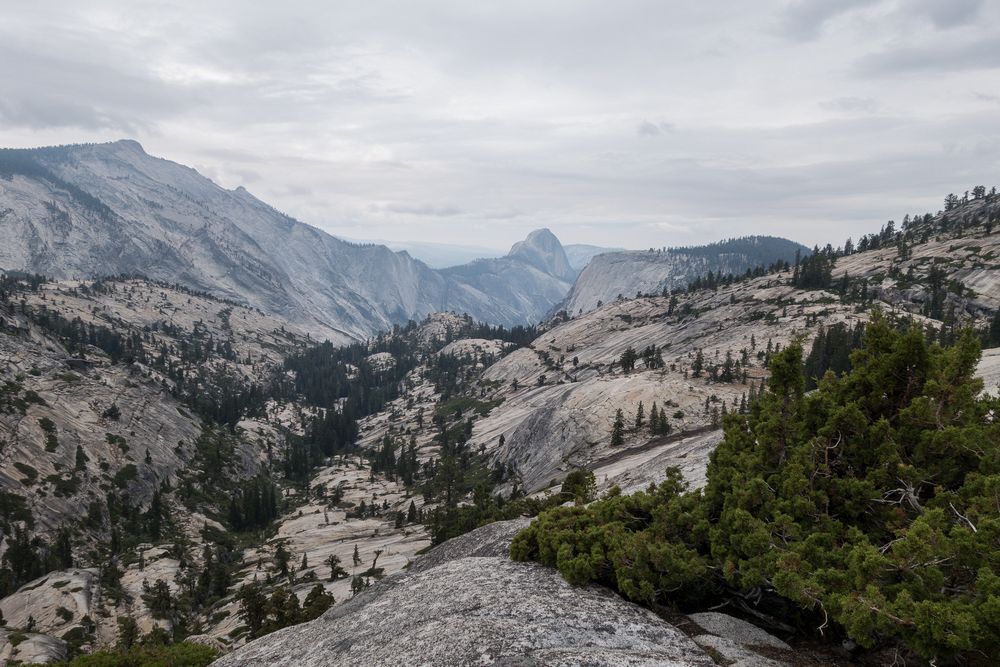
580	254
625	273
543	251
105	209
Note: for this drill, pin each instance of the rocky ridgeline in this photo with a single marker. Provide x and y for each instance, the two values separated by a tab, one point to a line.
109	209
466	603
624	273
132	435
553	403
259	341
538	411
570	383
557	399
327	522
73	425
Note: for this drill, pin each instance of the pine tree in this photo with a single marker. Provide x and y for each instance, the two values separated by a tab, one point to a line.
81	458
628	359
994	337
618	429
282	558
663	428
317	602
411	513
639	416
337	571
128	631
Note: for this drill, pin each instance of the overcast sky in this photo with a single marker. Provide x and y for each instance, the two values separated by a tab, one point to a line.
621	123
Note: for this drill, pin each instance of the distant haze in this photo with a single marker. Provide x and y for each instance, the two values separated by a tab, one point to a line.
439	255
619	124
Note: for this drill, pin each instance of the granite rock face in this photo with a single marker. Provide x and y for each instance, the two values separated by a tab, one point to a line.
464	604
108	209
740	642
609	275
29	648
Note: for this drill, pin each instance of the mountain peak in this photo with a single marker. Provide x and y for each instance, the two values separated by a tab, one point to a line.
131	144
543	250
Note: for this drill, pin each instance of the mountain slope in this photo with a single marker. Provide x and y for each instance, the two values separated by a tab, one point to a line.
580	254
470	414
540	411
612	274
556	398
534	275
543	251
84	211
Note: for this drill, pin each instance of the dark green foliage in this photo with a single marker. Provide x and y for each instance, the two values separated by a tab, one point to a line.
327	376
29	556
125	475
316	602
211	390
263	615
254	505
282	558
29	472
81	458
13	508
698	365
831	351
993	334
815	271
51	439
128	632
869	506
148	655
579	486
628	359
337	570
618	429
253	607
158	599
752	250
323	373
653	358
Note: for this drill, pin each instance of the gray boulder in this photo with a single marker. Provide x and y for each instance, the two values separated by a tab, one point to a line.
466	603
739	642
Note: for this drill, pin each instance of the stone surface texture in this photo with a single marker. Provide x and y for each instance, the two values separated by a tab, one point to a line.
466	606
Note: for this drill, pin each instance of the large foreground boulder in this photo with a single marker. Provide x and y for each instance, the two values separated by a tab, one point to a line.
466	603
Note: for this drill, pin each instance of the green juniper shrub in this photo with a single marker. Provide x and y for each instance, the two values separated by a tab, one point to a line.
867	508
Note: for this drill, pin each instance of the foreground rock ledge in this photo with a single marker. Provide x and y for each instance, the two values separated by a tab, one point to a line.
463	604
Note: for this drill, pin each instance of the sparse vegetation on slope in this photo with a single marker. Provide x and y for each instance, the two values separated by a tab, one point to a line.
866	508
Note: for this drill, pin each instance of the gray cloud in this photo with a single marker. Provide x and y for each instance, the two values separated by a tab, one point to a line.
804	19
851	104
451	121
648	128
424	209
938	57
951	13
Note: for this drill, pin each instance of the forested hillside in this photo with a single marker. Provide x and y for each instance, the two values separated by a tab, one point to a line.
179	467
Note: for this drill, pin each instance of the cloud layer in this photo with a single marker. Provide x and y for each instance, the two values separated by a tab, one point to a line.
633	123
